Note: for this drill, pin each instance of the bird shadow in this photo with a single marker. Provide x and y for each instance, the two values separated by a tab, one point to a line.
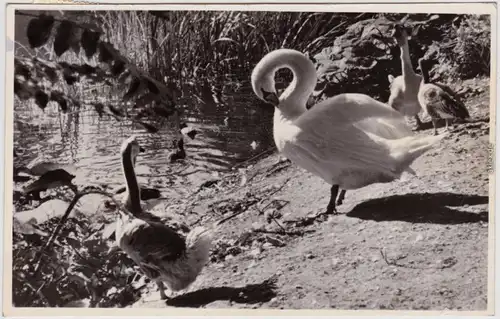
249	294
422	208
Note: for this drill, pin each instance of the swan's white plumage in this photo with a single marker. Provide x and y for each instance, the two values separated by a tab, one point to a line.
350	140
404	88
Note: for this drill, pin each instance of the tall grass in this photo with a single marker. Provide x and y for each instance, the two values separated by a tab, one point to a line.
184	45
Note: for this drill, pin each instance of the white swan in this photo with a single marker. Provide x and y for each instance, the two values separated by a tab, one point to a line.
404	88
157	249
439	100
349	140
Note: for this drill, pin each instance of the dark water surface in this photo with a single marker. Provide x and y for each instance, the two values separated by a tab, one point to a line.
228	123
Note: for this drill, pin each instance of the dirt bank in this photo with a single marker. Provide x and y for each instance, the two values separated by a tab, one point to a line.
418	243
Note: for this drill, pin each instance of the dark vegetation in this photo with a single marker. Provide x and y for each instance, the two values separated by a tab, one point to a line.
155	56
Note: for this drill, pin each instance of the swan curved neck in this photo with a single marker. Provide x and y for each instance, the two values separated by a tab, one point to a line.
133	200
406	67
293	100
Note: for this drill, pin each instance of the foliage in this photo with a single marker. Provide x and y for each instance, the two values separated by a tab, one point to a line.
353	52
77	267
465	52
38	78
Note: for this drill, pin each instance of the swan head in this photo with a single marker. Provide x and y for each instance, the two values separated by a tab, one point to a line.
401	33
264	86
130	147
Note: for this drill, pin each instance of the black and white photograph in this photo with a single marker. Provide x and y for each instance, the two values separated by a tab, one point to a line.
258	158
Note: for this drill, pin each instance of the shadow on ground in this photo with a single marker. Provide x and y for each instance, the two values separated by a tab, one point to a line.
249	294
422	208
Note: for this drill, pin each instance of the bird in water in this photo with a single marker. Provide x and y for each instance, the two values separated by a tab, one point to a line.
439	100
350	140
178	153
162	254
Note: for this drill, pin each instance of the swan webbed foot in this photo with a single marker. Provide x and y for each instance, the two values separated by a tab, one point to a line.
331	209
341	197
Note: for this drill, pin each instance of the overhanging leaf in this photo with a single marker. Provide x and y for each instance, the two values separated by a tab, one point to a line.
133	88
19	90
87	70
21	69
62	41
105	52
118	67
39	30
99	108
69	77
58	96
89	42
49	180
152	87
51	74
41	99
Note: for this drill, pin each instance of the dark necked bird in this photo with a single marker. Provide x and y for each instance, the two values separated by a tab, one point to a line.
161	253
439	100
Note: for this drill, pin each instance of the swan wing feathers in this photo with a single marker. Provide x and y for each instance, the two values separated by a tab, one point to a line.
365	113
154	242
356	131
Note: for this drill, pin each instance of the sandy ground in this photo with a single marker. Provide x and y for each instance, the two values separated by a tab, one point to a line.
417	243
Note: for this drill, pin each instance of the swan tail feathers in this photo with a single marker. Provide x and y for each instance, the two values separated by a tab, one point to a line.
407	150
199	241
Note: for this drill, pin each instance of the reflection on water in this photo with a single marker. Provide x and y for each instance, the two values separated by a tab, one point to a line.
228	123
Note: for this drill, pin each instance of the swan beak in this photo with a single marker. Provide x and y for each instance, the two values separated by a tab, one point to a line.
141	149
271	98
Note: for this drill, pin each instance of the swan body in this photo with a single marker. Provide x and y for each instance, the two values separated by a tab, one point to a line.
350	140
160	252
404	88
439	100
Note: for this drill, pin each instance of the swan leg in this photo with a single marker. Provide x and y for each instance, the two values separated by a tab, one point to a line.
331	209
434	124
419	122
161	287
341	197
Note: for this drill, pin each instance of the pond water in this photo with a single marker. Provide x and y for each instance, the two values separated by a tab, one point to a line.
228	122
